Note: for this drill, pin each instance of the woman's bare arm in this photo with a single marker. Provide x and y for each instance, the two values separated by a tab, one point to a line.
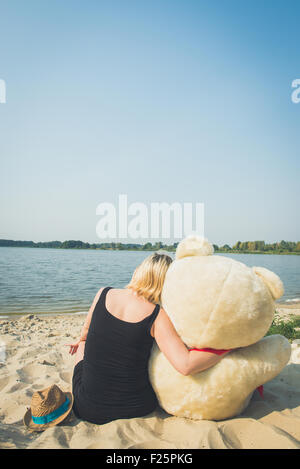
88	319
185	361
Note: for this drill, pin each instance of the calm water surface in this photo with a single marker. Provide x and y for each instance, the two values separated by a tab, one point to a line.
65	280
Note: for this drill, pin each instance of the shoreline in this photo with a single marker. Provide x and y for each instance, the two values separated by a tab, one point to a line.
165	248
288	305
16	316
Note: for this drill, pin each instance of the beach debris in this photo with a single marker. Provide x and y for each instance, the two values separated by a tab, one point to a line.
2	352
29	317
295	356
45	362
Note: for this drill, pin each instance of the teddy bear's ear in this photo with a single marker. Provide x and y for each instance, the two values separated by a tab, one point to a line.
194	246
272	281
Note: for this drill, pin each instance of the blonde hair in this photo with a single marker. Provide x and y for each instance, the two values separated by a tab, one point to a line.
148	278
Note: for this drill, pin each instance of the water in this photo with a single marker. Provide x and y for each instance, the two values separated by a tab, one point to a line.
65	280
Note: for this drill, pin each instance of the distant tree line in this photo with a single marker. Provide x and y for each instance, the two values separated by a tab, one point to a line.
240	247
76	244
261	247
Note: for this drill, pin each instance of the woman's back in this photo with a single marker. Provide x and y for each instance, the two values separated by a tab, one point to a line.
126	305
114	376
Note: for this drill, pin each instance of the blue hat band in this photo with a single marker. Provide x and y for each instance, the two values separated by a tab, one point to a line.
53	415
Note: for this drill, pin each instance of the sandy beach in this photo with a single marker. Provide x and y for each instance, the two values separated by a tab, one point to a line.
36	357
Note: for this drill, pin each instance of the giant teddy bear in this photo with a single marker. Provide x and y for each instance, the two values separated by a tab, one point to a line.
218	303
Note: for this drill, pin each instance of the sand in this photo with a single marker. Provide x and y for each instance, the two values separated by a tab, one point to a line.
35	357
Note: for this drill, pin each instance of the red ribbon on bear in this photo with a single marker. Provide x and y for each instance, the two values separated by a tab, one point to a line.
211	350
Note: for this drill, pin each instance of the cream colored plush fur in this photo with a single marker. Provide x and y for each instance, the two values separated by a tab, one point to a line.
217	302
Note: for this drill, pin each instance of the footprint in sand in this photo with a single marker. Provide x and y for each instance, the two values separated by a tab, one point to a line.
65	376
32	373
3	382
17	387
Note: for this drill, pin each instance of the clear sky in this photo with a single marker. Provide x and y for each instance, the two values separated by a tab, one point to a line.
162	100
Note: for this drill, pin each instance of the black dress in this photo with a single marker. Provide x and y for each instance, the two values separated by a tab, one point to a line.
112	381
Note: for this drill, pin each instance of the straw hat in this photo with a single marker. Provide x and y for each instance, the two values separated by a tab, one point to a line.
49	407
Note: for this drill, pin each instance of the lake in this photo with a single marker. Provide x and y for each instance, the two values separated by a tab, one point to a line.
44	280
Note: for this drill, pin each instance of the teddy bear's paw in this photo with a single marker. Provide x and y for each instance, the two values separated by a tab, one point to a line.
253	366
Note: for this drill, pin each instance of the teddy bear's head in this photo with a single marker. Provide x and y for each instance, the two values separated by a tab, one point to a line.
215	301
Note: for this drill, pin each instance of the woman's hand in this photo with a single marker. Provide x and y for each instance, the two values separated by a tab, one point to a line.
74	347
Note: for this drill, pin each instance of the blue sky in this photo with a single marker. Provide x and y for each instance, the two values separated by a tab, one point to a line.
165	101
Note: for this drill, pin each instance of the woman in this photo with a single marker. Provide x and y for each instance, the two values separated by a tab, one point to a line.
110	379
